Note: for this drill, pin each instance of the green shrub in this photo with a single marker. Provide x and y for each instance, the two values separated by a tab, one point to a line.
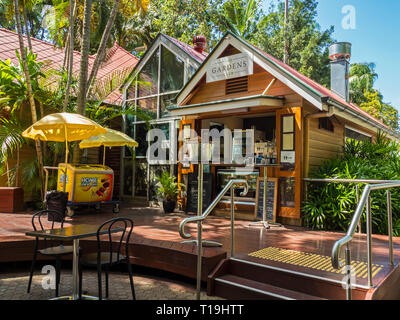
331	206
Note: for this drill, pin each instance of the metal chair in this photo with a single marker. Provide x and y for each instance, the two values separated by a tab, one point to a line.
50	250
112	255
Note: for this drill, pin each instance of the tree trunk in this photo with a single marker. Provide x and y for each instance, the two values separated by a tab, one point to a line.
17	169
28	36
29	88
72	12
85	47
84	67
102	48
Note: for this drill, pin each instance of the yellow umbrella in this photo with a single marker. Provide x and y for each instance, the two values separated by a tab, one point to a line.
111	138
63	127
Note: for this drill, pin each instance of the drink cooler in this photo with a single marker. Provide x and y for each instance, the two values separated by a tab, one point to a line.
87	185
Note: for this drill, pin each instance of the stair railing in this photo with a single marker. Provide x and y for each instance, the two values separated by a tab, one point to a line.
231	185
365	200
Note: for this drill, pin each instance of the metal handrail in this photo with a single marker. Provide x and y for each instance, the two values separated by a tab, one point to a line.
364	201
229	185
200	218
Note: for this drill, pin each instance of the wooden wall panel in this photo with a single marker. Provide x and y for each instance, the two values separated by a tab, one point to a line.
258	82
322	144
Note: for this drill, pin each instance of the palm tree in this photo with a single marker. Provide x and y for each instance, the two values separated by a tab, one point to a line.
28	84
11	142
362	78
70	51
240	16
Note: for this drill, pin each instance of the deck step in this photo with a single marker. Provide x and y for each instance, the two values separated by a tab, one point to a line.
241	288
241	279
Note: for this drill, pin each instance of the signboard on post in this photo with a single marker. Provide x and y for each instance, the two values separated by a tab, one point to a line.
237	65
271	200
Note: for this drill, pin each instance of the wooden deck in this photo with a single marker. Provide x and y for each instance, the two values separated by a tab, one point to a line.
156	243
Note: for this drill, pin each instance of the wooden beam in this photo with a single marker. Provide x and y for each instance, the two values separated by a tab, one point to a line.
269	86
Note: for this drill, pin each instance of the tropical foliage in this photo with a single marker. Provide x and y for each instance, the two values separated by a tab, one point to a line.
168	188
330	206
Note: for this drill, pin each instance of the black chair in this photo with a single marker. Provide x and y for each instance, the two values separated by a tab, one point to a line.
52	248
110	256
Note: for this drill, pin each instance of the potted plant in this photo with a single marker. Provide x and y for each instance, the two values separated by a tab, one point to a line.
168	190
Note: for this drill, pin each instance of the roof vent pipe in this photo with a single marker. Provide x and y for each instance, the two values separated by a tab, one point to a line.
340	54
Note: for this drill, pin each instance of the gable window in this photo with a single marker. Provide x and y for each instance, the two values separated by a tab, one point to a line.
172	71
148	77
326	124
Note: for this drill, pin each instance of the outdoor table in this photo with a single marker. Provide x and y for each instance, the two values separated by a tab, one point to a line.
73	233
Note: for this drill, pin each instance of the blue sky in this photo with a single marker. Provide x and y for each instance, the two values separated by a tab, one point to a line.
375	38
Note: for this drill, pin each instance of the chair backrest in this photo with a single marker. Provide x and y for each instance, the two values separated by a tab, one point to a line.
126	225
57	221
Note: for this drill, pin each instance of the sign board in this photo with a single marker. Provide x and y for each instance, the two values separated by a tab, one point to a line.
192	191
237	65
288	156
271	201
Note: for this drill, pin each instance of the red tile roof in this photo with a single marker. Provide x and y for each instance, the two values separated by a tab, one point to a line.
200	57
117	58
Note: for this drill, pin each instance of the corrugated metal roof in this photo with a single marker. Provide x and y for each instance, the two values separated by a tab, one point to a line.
117	58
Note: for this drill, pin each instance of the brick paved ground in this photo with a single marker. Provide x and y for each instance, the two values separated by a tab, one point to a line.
13	286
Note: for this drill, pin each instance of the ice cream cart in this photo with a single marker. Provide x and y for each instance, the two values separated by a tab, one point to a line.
87	185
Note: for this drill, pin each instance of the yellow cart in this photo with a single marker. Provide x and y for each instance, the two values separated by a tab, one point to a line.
87	185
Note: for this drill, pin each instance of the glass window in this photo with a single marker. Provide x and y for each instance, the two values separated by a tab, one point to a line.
131	94
156	171
287	133
172	71
148	77
351	134
287	192
141	178
140	137
191	71
167	101
147	108
128	169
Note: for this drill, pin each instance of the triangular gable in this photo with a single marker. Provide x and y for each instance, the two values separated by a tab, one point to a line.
175	46
230	39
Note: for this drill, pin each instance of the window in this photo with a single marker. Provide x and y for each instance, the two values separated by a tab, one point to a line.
287	133
357	135
148	77
148	107
167	101
326	124
287	192
172	71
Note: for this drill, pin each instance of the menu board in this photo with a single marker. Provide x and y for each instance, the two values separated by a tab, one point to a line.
192	191
271	201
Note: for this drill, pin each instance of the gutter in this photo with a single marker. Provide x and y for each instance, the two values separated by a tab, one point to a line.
360	116
317	115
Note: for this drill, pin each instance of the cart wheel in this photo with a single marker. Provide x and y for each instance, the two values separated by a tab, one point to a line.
97	207
116	208
70	212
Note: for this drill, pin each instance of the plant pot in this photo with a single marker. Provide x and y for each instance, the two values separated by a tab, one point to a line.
169	206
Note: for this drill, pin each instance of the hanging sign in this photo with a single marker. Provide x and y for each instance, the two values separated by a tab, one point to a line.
237	65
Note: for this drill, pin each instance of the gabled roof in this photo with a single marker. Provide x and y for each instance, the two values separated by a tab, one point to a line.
117	58
196	57
312	91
